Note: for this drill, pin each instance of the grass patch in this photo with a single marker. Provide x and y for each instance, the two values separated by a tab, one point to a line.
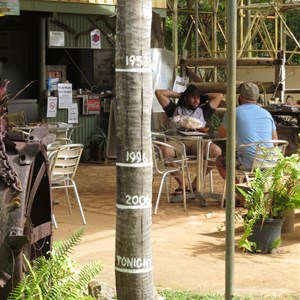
187	295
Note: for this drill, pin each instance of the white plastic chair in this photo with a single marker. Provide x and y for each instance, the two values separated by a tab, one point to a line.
163	167
266	156
63	166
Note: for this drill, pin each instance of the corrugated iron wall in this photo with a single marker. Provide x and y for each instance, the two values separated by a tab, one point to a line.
87	126
107	2
155	3
77	29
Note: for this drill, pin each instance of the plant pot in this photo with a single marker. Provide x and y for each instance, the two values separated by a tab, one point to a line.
267	236
96	151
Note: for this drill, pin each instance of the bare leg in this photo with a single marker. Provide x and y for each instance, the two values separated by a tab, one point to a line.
220	166
220	163
214	152
170	153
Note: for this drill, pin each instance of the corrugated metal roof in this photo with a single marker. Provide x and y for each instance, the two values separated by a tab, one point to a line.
104	7
77	29
67	7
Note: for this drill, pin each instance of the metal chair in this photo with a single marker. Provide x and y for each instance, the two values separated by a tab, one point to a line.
209	162
60	141
63	166
61	129
266	156
166	167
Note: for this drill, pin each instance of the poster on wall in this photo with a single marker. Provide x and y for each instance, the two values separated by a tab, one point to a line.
10	7
73	114
52	84
57	38
91	105
64	95
95	39
51	107
162	65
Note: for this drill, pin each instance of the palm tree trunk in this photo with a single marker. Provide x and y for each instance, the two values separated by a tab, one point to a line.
133	259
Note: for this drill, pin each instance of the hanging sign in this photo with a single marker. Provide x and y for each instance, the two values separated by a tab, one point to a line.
95	39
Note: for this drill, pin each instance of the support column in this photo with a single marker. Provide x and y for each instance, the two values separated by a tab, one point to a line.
175	34
42	65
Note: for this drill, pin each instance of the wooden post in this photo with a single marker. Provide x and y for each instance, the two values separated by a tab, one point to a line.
289	221
280	77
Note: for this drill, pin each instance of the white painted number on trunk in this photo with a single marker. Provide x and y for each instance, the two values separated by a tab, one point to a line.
137	61
137	200
136	157
133	265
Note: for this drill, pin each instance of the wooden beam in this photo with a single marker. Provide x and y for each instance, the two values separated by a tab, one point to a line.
193	76
198	62
220	87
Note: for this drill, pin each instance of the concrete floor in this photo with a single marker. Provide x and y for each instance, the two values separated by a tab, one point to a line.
188	247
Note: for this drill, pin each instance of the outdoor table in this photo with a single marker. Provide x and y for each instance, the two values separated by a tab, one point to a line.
279	111
57	128
202	139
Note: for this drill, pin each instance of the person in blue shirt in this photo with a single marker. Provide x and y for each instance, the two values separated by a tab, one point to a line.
253	124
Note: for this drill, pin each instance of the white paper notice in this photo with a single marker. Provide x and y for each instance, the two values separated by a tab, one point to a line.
64	95
73	114
51	107
57	38
180	84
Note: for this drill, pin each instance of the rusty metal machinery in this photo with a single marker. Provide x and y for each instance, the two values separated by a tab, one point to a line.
25	207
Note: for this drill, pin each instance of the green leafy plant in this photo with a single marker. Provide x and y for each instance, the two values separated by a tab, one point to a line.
57	277
97	144
214	122
271	193
99	138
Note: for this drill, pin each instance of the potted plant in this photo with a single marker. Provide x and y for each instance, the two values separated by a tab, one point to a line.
97	143
271	193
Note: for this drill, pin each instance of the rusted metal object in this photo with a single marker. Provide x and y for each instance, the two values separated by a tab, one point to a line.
25	208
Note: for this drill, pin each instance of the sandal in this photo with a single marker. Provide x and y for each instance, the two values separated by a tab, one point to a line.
178	191
193	191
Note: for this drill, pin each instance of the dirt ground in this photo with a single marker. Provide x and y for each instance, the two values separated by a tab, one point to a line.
188	246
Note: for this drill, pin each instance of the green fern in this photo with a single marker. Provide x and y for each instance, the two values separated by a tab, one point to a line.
57	277
62	248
